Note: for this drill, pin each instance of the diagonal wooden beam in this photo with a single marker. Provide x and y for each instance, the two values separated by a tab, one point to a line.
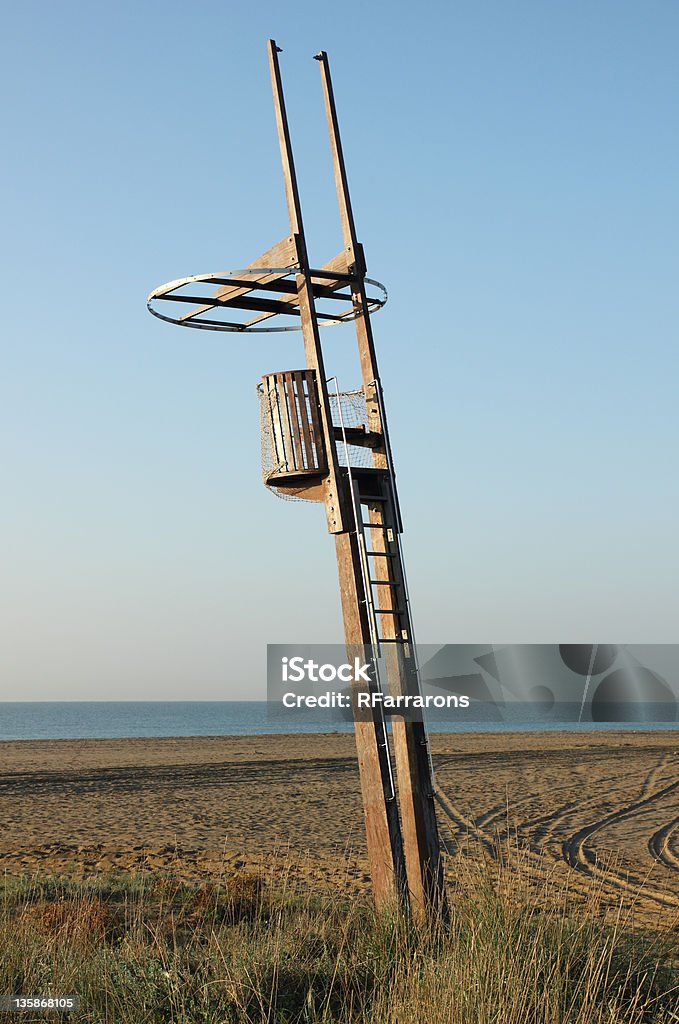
415	783
282	254
385	848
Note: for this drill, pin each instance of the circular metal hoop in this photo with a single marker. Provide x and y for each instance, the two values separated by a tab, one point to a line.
267	292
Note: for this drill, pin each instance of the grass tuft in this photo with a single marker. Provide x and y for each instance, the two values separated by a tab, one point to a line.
155	950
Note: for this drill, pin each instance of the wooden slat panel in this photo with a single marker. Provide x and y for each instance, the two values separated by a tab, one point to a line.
294	423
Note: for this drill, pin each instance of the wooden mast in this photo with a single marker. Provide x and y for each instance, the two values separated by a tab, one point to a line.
385	848
413	767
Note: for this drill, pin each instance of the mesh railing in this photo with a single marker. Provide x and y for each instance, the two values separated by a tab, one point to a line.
353	414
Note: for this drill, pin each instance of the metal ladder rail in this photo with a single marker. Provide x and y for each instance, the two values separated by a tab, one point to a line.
391	556
391	477
383	741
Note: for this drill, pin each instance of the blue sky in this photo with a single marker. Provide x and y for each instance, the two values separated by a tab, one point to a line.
513	169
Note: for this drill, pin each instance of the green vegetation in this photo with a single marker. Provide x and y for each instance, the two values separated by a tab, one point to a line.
157	950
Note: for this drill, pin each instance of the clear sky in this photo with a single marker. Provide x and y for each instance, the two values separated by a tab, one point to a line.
514	172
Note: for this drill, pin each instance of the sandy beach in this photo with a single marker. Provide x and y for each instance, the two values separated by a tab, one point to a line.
589	810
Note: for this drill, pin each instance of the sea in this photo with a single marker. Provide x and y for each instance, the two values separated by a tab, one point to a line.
58	720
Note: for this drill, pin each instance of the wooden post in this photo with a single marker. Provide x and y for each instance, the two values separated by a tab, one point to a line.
415	782
385	850
335	502
383	832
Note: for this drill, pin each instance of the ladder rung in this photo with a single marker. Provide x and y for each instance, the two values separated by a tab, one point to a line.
385	583
368	499
380	554
377	526
389	611
393	640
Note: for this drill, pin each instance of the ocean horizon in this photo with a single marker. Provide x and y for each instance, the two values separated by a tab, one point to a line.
55	720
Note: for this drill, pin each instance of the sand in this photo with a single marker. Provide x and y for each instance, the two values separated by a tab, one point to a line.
587	811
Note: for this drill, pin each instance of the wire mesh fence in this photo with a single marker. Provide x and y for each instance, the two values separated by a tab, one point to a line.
347	408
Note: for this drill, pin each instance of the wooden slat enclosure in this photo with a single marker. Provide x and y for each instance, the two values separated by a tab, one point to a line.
291	403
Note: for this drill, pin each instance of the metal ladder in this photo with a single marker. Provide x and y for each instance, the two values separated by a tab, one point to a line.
385	589
386	593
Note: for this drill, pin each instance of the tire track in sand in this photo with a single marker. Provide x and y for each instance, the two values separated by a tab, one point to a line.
581	857
660	845
574	850
653	775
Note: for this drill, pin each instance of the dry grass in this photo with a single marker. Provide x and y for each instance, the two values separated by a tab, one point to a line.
245	952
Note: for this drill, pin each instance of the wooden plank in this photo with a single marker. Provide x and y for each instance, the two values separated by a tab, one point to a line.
316	427
310	492
285	422
337	508
309	458
294	421
358	436
355	259
282	254
424	866
275	420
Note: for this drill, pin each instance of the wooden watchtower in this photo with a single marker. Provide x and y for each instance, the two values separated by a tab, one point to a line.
318	453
